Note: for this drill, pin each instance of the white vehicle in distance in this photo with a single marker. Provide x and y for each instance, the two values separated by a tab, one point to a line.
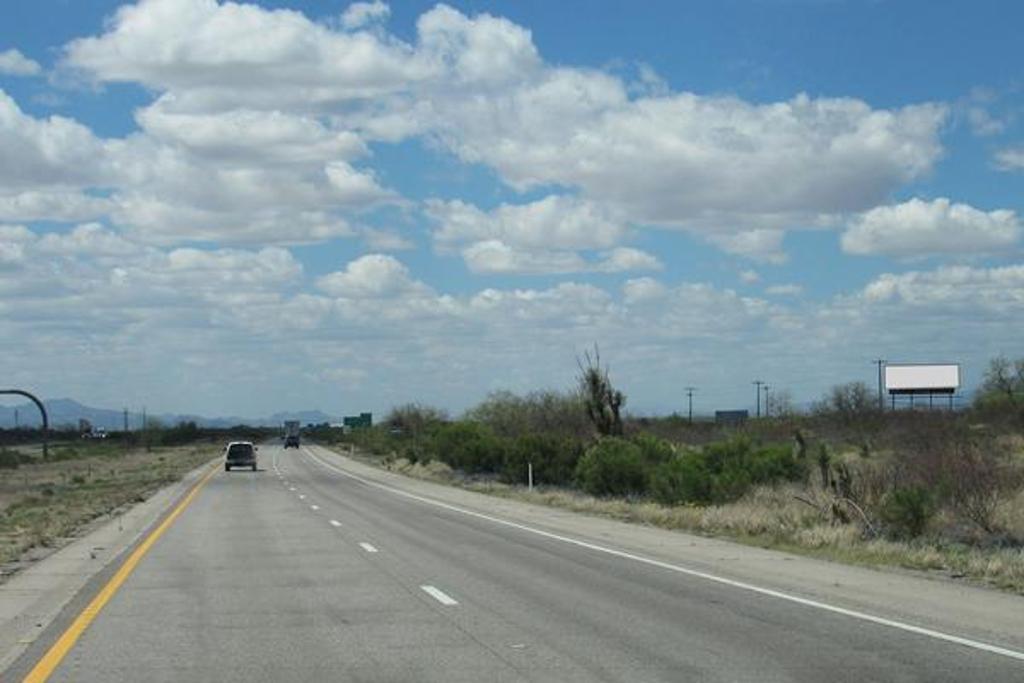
240	454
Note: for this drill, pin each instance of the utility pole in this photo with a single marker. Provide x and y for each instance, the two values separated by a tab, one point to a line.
881	364
758	384
767	406
689	396
17	422
125	420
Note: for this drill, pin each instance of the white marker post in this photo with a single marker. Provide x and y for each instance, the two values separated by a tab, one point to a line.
529	475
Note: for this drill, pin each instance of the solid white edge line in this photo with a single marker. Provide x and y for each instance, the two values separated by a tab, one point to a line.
367	547
807	602
439	595
335	522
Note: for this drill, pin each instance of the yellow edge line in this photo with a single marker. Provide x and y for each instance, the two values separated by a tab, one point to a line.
45	667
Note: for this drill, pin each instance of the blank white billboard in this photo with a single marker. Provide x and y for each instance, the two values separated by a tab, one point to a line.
919	377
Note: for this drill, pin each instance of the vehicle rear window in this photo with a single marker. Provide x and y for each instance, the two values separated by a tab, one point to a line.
240	449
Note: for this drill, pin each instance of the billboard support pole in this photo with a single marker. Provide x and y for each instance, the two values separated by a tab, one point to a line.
881	400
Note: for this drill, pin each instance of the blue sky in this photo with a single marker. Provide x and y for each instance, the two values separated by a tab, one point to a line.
243	208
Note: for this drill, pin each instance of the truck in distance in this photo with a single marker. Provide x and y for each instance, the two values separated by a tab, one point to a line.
291	434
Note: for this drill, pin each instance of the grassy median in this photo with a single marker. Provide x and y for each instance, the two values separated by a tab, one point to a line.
44	503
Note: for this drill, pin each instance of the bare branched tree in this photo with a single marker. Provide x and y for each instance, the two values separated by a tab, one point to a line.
603	402
1004	379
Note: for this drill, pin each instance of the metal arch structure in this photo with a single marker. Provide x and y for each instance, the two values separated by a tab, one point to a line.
42	411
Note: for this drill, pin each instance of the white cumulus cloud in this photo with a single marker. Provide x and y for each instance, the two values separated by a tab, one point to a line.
494	256
784	290
360	14
952	289
920	228
13	63
1010	159
554	222
40	153
718	166
373	276
229	54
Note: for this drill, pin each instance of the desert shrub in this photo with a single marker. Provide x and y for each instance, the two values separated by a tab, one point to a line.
11	460
376	440
509	415
848	401
907	511
469	446
554	459
411	417
612	467
655	451
979	477
65	453
723	471
181	433
682	479
964	470
737	464
775	462
1003	385
408	429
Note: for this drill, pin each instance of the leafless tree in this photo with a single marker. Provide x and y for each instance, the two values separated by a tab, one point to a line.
602	401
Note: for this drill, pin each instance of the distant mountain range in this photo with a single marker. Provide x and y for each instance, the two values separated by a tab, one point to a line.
63	412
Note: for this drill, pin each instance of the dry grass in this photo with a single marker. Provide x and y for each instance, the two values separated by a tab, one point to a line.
435	470
771	517
43	504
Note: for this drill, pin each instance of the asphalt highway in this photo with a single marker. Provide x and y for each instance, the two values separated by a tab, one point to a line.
300	572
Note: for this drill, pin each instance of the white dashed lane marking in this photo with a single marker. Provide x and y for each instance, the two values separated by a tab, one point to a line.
367	547
439	595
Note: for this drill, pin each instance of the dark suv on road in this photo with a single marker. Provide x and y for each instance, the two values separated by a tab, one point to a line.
239	454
